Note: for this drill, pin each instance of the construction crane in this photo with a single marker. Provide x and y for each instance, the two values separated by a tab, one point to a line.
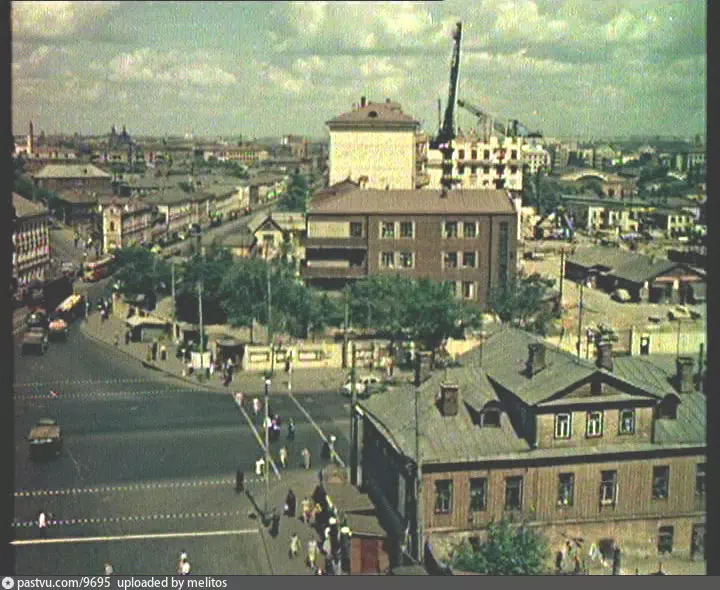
446	134
513	129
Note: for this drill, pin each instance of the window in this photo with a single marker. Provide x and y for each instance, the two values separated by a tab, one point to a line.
473	170
491	418
594	424
478	494
461	169
443	496
387	259
665	539
661	481
450	260
112	226
513	493
513	155
468	290
486	169
486	155
608	487
700	479
473	154
355	229
406	229
387	229
563	426
566	489
468	260
627	421
269	240
667	408
451	229
406	259
461	154
469	229
513	169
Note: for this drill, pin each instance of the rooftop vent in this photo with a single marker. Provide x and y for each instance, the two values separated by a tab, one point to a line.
536	358
363	101
684	376
605	357
448	399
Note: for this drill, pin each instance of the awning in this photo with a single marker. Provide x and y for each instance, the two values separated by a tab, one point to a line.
136	321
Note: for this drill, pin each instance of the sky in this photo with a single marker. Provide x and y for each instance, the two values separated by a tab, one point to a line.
584	68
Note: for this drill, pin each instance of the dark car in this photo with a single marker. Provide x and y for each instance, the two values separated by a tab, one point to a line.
45	438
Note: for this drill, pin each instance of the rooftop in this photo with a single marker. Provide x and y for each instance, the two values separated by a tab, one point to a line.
374	114
26	208
71	171
422	201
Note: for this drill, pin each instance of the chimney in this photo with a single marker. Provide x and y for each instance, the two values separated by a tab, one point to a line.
605	358
449	399
363	101
536	358
684	378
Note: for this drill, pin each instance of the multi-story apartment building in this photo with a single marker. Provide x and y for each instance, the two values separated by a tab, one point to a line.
481	162
606	452
125	222
175	206
535	158
374	144
72	177
31	242
465	237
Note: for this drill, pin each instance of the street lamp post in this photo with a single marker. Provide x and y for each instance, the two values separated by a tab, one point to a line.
267	444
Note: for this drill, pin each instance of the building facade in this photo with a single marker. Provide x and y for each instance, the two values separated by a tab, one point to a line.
467	238
31	242
613	452
374	144
126	222
72	177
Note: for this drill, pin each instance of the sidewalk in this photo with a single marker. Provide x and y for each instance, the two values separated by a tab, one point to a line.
303	380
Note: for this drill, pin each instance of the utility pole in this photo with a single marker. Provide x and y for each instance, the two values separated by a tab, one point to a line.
353	419
346	324
174	307
562	275
580	318
418	476
267	444
677	352
269	311
202	342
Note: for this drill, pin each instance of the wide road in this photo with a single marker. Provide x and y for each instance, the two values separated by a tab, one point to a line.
144	455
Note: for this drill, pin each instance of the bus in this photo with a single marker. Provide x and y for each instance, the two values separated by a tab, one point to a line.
98	269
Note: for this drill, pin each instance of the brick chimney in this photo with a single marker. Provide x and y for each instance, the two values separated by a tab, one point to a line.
684	377
604	355
536	358
449	399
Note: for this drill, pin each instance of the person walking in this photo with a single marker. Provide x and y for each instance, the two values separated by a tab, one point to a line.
240	481
294	545
291	429
260	467
306	506
306	458
257	405
311	553
290	504
331	448
42	522
617	555
108	568
283	457
184	568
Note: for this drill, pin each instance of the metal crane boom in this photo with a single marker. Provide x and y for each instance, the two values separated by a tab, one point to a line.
482	116
447	132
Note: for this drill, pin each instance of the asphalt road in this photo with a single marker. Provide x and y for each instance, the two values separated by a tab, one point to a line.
148	464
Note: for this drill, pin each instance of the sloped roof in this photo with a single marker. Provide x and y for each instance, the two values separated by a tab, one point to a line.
444	438
285	221
690	426
601	256
71	171
26	208
643	268
504	358
374	114
80	196
408	202
242	237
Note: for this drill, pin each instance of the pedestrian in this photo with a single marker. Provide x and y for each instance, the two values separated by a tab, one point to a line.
331	447
154	350
257	405
306	458
184	568
212	368
577	564
326	549
290	504
127	337
163	353
42	522
558	561
617	556
294	545
306	506
108	568
311	553
260	467
183	555
291	429
240	481
189	368
283	457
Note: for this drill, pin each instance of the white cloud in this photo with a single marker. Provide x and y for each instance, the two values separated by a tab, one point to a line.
56	19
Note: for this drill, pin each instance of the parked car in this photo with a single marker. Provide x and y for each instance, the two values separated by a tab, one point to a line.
679	312
58	329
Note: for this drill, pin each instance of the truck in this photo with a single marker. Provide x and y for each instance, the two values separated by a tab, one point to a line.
45	438
35	340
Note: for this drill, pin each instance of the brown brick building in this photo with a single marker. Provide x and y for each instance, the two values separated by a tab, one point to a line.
614	452
466	237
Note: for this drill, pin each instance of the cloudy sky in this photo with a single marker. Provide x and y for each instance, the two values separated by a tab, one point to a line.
588	68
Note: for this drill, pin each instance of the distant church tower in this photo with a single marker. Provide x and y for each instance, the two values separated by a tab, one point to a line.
30	139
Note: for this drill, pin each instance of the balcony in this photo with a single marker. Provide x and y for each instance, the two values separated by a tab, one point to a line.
333	272
336	243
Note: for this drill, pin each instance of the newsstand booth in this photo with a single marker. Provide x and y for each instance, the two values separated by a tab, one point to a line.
146	329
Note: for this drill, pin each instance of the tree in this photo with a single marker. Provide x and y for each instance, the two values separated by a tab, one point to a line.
296	196
141	272
508	551
244	292
209	268
521	302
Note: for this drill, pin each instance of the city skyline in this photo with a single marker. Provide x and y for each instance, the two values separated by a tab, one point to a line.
266	69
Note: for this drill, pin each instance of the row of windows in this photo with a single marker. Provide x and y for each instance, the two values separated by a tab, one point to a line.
467	289
450	260
608	493
594	424
466	259
486	154
397	260
500	169
406	229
